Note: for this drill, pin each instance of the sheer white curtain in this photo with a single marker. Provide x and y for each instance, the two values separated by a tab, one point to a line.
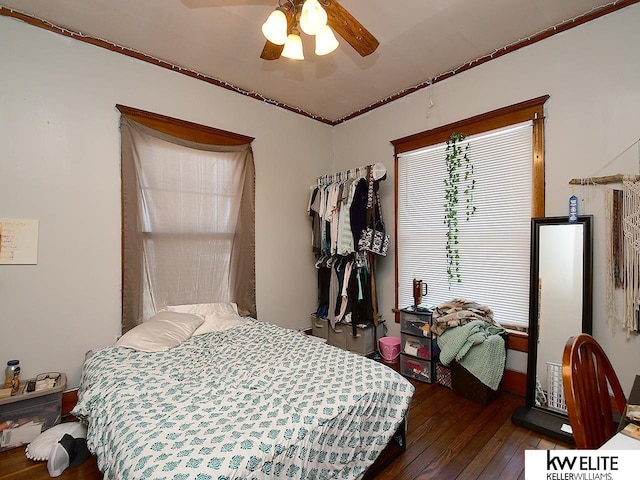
188	223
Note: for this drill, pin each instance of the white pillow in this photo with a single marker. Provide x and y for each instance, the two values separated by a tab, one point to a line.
220	323
161	332
221	308
41	446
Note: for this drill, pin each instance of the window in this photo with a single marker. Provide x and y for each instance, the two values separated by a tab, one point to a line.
507	154
188	219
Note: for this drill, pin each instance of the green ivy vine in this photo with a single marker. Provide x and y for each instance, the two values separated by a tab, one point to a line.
459	184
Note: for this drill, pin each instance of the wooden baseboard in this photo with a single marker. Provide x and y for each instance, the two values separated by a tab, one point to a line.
515	382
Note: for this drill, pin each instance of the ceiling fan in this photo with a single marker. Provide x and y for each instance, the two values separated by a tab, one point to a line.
337	17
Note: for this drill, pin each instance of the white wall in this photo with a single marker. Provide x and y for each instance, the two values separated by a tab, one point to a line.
60	164
592	73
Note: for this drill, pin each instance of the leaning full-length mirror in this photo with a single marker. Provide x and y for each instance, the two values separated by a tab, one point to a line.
559	307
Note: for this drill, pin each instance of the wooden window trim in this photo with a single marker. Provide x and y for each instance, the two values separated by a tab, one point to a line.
183	129
517	113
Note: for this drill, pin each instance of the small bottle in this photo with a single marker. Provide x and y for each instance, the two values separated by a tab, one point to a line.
12	376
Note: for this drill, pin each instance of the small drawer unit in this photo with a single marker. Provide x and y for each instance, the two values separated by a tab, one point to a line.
419	349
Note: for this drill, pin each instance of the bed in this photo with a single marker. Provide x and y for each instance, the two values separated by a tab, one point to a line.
250	401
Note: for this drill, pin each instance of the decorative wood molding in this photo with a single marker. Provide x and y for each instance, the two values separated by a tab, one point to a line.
514	382
518	341
183	129
498	118
567	25
36	22
564	26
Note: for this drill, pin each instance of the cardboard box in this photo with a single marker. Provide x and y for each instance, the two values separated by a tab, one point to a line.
25	415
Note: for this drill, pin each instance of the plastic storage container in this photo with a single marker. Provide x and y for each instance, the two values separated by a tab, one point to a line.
415	324
416	368
25	415
418	347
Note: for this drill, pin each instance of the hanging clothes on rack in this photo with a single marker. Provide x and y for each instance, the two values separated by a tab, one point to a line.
342	206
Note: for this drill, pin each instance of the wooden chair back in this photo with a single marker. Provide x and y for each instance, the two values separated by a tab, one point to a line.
589	380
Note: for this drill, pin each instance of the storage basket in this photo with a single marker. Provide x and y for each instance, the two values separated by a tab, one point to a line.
464	383
443	375
555	394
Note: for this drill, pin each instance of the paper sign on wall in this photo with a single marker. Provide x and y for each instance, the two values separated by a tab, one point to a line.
18	241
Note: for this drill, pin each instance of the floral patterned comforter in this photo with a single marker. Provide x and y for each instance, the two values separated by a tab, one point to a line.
254	402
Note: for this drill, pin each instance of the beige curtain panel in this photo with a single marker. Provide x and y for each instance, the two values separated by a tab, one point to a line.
188	223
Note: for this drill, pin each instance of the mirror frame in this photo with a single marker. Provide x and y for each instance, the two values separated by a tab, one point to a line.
587	291
531	416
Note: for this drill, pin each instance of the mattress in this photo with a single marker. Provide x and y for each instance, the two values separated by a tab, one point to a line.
254	402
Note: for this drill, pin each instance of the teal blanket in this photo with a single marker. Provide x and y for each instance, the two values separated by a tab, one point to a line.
478	347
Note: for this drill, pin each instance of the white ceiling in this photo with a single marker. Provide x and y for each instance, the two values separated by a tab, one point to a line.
222	39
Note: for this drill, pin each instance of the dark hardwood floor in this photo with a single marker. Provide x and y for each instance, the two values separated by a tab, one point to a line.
449	437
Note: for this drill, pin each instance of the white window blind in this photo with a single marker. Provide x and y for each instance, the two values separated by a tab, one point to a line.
494	244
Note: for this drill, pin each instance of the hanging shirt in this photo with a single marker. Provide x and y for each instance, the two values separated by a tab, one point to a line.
314	212
358	213
344	241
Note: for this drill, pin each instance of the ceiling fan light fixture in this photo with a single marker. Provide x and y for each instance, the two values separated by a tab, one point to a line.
313	17
326	41
275	28
293	47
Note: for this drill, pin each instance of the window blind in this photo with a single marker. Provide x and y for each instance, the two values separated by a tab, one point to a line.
494	244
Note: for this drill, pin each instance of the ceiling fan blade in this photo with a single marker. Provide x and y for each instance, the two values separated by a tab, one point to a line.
351	29
271	51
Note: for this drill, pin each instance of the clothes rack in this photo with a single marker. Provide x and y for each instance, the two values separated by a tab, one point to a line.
347	236
378	169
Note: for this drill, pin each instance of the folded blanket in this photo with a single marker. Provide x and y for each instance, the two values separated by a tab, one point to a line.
478	347
460	311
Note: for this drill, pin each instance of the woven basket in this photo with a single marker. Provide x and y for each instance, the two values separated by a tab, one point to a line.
443	375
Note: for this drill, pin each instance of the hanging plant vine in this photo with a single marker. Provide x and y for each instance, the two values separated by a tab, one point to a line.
460	177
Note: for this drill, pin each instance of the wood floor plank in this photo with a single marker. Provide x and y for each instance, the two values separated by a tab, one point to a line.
488	451
461	451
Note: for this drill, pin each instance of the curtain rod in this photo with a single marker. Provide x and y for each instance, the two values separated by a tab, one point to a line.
603	180
378	169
